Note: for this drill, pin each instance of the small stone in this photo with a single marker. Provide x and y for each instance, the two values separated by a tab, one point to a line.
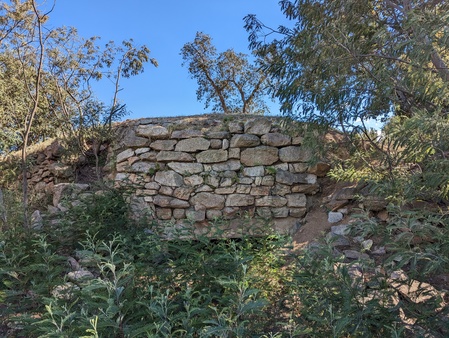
353	254
79	275
334	217
379	251
341	230
254	171
337	240
239	200
163	145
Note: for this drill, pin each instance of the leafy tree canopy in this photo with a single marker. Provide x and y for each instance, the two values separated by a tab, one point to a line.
226	80
46	75
344	61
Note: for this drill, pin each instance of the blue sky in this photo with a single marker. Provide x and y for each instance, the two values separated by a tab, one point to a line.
164	27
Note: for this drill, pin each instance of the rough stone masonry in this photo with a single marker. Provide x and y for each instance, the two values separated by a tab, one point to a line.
203	168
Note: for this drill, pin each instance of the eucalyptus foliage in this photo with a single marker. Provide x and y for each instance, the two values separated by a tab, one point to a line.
227	80
341	61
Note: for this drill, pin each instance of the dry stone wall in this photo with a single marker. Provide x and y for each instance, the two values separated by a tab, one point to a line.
199	169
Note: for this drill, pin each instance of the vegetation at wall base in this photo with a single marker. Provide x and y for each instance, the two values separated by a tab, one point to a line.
130	282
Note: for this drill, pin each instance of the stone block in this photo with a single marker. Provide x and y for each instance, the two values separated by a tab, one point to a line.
261	155
254	171
235	127
179	213
257	126
170	202
139	151
174	156
296	200
244	141
152	131
142	167
271	201
217	134
192	145
228	165
260	191
212	156
215	144
124	155
163	145
334	217
225	190
234	153
149	156
294	154
169	178
280	212
185	168
193	180
276	139
297	212
281	189
286	177
243	189
206	200
239	200
164	190
183	193
186	133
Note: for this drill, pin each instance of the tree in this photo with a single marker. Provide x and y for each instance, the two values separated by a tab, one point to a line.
45	80
340	62
227	80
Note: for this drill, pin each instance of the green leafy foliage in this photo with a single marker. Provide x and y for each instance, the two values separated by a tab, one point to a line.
227	80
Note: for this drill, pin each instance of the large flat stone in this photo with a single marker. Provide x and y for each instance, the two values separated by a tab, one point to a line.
192	145
163	145
212	156
174	156
206	200
186	133
169	178
171	202
294	154
276	139
142	167
271	201
239	200
152	131
262	155
230	165
124	155
286	177
296	200
257	126
244	141
184	168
